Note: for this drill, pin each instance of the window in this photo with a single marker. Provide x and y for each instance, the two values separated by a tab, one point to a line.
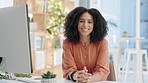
6	3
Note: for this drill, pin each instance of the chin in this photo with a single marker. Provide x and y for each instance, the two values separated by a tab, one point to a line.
85	34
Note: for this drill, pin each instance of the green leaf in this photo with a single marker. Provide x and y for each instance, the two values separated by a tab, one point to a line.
56	17
53	76
48	31
23	75
48	75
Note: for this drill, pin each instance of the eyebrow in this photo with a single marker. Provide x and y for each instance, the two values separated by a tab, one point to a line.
84	19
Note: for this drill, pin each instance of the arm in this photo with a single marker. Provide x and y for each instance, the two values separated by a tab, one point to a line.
101	70
69	66
68	63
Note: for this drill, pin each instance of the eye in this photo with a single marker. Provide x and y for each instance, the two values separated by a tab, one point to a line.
90	22
81	21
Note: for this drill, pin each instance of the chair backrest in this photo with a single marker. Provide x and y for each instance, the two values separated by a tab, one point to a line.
111	76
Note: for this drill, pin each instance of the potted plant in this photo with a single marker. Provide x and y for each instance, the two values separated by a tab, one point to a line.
124	34
48	77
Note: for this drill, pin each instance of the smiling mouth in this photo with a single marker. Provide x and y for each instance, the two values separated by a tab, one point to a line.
85	29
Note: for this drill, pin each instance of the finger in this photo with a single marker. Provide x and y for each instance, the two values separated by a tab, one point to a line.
79	75
83	75
85	69
87	76
84	81
89	80
80	79
81	72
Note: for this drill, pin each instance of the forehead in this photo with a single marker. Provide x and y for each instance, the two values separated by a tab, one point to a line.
86	15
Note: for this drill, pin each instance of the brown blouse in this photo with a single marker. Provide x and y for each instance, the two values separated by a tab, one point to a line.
92	56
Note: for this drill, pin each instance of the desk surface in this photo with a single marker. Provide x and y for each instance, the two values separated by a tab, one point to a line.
59	80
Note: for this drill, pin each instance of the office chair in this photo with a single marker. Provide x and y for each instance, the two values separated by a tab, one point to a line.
111	76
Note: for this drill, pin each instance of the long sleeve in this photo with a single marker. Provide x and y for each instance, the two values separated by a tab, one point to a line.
102	64
94	57
68	63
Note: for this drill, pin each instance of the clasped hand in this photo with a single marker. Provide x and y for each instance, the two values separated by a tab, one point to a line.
83	76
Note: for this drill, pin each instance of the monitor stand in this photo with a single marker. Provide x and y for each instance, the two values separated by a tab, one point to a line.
7	75
2	63
1	60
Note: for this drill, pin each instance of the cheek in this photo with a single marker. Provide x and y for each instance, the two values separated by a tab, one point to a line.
80	24
79	27
91	29
92	26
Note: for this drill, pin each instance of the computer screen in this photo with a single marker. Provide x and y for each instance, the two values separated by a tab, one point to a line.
15	48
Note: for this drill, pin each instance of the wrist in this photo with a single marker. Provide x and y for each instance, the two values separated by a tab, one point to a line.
74	76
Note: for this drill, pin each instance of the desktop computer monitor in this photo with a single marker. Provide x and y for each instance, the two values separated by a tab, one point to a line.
15	49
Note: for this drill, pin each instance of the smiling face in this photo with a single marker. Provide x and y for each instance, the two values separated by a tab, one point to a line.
85	24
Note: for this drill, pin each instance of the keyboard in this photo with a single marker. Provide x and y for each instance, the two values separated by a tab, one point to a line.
30	80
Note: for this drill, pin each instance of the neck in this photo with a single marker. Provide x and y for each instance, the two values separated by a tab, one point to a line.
85	39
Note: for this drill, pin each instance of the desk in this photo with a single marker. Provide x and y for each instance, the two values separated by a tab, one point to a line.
59	80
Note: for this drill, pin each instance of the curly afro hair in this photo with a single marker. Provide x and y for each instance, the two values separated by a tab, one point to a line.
71	23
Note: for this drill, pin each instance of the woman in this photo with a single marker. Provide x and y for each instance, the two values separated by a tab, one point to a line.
85	51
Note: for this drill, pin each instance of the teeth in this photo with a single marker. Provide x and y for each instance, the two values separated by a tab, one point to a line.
85	29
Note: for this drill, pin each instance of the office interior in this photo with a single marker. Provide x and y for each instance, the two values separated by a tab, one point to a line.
127	35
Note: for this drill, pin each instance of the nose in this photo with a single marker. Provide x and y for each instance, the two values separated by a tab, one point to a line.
85	23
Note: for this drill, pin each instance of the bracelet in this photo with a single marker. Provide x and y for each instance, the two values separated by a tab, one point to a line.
72	76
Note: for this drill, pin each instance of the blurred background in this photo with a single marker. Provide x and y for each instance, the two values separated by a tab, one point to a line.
127	22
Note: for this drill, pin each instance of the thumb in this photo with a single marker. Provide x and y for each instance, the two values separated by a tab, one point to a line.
85	69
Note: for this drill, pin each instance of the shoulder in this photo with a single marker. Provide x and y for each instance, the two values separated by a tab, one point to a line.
66	42
102	45
102	42
68	45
